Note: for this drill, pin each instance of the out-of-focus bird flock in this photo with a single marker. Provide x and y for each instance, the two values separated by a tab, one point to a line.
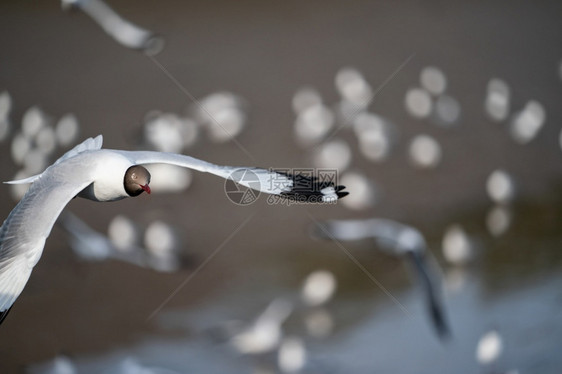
330	135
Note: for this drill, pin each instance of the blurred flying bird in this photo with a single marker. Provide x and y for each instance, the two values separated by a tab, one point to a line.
396	239
90	245
123	31
107	175
265	333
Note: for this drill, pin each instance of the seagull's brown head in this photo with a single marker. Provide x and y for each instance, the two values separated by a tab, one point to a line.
136	180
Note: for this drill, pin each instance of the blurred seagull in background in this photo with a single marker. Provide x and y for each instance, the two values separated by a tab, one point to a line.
106	175
399	240
121	30
265	333
90	245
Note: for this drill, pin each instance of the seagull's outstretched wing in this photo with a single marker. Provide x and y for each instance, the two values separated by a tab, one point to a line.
396	239
267	181
392	237
23	233
342	230
90	144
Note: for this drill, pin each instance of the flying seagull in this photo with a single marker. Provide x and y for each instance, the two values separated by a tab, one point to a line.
121	30
400	240
98	174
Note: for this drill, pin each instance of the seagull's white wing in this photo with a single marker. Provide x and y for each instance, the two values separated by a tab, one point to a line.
399	240
23	233
268	181
393	237
90	144
343	230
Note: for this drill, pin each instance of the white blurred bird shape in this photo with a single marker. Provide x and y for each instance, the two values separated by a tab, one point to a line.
399	240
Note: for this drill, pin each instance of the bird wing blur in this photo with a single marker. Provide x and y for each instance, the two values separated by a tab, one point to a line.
399	240
345	230
434	302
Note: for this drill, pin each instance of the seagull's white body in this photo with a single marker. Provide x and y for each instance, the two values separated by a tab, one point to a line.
96	174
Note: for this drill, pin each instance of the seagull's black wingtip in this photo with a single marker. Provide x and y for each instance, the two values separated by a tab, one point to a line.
341	194
309	188
339	188
440	323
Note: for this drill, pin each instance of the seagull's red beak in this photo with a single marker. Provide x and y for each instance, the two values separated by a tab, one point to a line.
146	189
